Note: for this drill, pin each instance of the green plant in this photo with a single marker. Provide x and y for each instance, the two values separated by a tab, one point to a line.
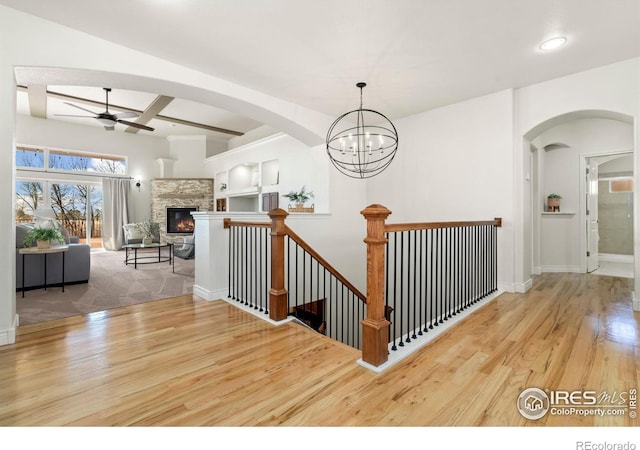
553	196
301	196
42	234
149	228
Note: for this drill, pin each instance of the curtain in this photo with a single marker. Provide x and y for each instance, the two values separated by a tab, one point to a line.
115	212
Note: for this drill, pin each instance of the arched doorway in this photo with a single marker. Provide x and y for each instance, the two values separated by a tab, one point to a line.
559	152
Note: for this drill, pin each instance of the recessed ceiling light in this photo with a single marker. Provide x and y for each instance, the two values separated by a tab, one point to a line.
553	43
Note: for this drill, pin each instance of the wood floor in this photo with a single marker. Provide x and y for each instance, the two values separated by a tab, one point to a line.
188	362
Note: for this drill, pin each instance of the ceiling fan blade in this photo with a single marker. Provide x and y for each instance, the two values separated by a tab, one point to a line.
127	115
80	107
136	125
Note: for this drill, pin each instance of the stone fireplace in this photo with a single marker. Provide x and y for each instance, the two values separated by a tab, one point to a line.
179	196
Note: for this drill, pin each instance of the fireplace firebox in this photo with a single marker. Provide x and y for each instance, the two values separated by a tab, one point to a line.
180	221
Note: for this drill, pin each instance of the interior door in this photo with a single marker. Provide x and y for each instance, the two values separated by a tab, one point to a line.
593	236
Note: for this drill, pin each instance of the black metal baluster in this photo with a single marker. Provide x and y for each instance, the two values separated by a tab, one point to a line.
288	252
432	281
448	271
440	284
420	273
401	296
407	252
415	274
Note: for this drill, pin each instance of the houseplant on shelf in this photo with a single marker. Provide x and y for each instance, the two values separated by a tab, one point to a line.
299	198
553	202
150	230
42	237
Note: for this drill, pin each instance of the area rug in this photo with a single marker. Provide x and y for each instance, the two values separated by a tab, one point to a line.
112	284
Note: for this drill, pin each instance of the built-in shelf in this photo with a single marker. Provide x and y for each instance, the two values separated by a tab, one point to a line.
246	184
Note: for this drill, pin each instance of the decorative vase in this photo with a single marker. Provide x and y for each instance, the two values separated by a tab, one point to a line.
553	204
43	244
147	240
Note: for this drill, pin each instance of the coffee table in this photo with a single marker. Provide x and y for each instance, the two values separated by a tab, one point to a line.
43	251
147	257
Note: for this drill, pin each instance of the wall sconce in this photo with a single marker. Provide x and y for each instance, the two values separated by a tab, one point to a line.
138	185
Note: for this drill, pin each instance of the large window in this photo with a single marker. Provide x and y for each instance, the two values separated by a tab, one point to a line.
76	201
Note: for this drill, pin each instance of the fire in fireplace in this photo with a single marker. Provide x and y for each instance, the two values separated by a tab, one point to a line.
180	221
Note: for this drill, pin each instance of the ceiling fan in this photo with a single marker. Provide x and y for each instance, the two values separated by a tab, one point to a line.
108	119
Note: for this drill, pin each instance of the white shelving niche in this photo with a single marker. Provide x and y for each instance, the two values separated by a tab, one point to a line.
245	184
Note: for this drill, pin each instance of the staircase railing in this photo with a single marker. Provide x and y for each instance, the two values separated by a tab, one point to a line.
320	296
419	275
276	272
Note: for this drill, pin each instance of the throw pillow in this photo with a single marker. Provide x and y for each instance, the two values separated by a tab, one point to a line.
132	231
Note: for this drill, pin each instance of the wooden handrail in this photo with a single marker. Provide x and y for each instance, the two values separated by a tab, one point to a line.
228	223
292	234
393	227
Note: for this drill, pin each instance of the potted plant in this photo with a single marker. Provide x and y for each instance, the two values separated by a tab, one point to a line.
553	202
42	237
149	229
300	197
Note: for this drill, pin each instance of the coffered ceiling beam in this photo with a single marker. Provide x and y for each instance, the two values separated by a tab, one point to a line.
38	100
199	125
151	112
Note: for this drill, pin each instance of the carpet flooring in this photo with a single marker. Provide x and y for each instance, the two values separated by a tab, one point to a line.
112	284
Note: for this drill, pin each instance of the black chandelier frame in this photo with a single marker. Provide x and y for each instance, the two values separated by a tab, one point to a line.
360	150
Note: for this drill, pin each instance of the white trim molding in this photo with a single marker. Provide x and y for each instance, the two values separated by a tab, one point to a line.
635	301
9	336
209	295
609	257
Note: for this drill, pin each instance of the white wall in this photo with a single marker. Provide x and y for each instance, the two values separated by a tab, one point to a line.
454	163
8	317
560	235
141	151
188	153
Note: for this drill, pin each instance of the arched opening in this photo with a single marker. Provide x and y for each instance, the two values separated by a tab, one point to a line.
562	156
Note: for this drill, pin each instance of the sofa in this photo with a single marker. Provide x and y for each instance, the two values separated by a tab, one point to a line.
77	262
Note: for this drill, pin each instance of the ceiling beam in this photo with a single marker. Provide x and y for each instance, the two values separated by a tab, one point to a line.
38	100
199	125
151	112
124	108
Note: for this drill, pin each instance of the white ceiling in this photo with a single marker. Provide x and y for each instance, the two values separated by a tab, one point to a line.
414	55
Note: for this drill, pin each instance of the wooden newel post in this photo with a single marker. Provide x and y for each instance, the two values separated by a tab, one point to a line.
375	327
278	295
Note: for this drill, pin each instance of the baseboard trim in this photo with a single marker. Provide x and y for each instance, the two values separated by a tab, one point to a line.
561	269
259	314
209	295
609	257
8	336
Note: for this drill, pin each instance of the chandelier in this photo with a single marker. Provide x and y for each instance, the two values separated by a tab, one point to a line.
362	142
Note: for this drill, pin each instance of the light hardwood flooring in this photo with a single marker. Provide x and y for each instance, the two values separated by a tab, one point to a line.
188	362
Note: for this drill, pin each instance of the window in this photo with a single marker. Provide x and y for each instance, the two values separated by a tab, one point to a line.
30	157
621	185
29	196
85	162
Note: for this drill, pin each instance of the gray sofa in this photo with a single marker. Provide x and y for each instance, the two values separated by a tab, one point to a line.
77	263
